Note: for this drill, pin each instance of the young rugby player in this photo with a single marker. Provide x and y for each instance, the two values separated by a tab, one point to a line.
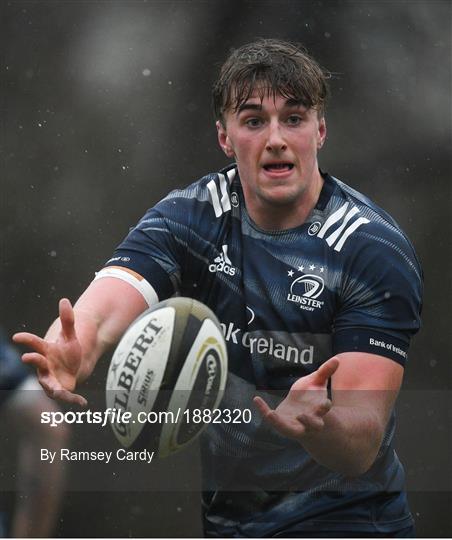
318	292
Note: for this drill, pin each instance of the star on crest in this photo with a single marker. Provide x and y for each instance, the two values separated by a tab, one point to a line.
312	267
301	268
290	273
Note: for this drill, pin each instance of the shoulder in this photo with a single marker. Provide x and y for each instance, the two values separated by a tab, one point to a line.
357	229
380	284
201	208
212	191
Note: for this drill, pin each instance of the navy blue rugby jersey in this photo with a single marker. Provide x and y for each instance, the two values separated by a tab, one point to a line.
346	280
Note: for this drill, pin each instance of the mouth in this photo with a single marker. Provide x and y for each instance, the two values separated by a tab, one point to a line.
278	167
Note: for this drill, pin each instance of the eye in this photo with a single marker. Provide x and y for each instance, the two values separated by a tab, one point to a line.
253	122
294	120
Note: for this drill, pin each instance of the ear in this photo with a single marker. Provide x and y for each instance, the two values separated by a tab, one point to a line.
223	139
321	134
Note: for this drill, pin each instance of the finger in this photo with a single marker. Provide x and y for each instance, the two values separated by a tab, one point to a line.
326	370
262	406
46	386
276	421
69	397
311	422
292	429
36	360
67	318
266	412
55	391
324	407
32	341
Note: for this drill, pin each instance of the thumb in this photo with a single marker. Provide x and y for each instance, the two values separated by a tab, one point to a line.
66	313
326	370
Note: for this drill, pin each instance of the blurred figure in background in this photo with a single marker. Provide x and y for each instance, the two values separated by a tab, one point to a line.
38	486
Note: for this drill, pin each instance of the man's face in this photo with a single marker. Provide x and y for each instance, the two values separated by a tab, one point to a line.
275	143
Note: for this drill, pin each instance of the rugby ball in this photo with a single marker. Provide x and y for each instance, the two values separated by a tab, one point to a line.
170	363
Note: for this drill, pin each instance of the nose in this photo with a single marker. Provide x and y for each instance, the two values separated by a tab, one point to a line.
275	140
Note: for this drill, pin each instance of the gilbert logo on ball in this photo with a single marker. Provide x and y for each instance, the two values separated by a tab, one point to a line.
171	361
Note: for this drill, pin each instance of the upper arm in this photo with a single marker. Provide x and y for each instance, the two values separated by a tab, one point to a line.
145	268
379	297
369	381
380	306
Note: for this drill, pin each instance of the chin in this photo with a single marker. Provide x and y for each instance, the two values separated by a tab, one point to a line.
282	197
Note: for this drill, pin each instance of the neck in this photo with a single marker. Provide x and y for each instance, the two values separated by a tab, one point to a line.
271	216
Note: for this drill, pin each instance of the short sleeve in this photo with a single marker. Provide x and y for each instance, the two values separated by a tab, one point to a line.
155	248
380	300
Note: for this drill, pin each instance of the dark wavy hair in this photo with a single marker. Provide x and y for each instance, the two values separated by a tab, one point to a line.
271	67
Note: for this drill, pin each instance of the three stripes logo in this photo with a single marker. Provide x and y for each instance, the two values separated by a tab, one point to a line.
219	198
349	225
223	263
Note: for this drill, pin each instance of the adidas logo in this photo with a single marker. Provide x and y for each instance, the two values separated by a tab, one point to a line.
223	263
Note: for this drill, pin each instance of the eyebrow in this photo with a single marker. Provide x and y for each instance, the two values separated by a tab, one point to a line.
291	102
249	107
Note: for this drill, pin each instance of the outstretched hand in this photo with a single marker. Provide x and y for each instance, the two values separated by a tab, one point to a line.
57	362
303	409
